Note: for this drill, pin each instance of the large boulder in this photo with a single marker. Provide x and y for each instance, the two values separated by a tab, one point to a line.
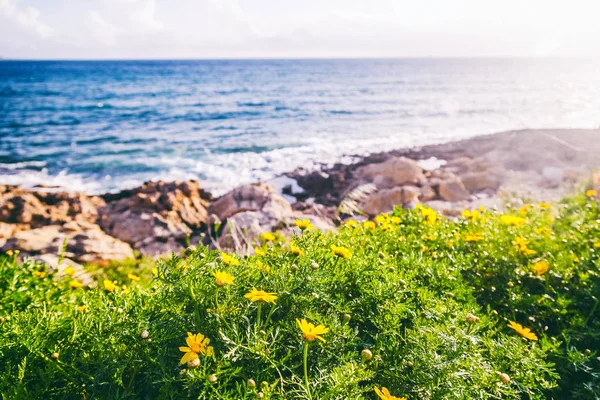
248	211
88	245
156	217
453	190
396	171
385	200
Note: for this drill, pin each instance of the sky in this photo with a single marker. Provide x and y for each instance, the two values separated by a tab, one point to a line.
167	29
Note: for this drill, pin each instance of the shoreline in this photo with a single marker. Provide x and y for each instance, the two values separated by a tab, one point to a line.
160	217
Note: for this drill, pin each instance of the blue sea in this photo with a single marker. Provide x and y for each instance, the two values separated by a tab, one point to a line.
99	126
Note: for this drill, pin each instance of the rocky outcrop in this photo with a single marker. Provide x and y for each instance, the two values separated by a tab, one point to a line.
396	171
385	200
248	211
157	217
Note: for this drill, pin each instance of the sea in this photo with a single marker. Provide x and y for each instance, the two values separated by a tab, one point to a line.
104	126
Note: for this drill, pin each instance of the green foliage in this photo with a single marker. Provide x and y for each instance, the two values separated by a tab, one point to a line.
428	297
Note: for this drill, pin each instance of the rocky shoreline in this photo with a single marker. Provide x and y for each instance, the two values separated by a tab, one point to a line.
158	218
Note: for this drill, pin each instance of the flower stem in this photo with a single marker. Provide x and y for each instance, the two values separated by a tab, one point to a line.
306	369
258	315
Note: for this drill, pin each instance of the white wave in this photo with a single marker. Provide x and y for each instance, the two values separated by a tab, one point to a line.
23	164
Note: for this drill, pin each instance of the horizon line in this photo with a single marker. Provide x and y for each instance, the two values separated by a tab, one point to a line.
495	57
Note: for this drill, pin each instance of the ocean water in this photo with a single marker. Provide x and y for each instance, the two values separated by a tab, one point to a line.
99	126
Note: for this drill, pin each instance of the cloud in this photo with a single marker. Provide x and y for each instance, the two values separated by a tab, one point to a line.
24	19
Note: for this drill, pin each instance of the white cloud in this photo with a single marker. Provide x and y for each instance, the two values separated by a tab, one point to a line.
24	19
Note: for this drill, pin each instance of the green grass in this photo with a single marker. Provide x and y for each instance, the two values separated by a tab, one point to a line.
405	294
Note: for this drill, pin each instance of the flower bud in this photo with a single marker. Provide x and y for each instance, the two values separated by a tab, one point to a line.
212	378
251	383
264	384
54	356
144	334
260	395
471	318
314	265
366	354
347	317
504	377
193	363
410	364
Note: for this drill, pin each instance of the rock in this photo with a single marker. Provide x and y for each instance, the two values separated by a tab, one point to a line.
251	197
553	176
444	207
156	217
395	171
250	210
36	241
453	190
93	246
427	193
385	200
89	245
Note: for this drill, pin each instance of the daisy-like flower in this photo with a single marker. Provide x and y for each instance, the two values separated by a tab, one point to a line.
109	286
133	277
259	252
472	215
591	193
40	274
544	206
473	237
196	345
81	308
541	267
351	223
295	249
369	225
310	332
384	394
268	236
597	245
69	271
396	220
512	220
341	251
382	218
428	214
304	224
260	295
525	332
229	260
75	284
222	278
520	242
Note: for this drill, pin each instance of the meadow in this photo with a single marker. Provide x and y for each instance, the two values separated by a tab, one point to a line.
412	305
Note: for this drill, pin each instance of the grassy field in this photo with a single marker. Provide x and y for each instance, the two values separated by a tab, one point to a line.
411	305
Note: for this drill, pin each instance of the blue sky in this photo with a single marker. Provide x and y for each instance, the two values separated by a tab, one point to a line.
95	29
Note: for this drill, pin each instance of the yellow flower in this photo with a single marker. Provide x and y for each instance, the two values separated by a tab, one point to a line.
295	249
429	237
304	224
196	345
81	308
351	223
75	284
311	332
384	394
525	209
229	260
260	295
40	274
576	260
259	252
428	214
268	236
109	286
541	267
341	251
512	220
527	251
525	332
591	193
544	206
133	277
69	271
369	225
544	231
472	215
520	242
396	220
382	219
597	245
222	278
473	237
